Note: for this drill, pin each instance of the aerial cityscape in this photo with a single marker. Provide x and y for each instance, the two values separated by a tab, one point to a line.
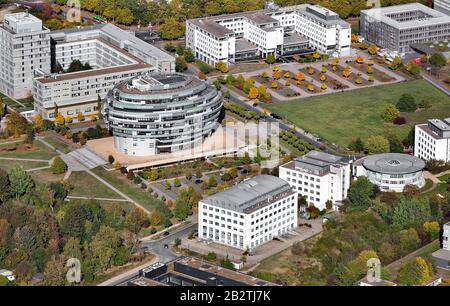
224	143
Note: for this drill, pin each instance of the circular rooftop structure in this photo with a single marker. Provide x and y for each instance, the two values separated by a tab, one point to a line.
161	113
393	163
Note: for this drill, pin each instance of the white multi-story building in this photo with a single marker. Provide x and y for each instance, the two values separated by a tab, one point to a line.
248	214
115	55
319	177
278	31
24	48
442	6
431	140
442	256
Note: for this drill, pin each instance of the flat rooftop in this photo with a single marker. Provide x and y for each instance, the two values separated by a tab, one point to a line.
316	162
425	16
244	45
247	195
230	274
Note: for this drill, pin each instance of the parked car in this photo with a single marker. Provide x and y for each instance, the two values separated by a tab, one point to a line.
198	181
273	115
166	233
166	246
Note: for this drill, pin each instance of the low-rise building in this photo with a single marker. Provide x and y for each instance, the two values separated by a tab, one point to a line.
256	34
431	140
248	214
114	55
397	27
391	171
319	177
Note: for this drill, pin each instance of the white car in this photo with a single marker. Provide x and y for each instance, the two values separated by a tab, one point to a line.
8	274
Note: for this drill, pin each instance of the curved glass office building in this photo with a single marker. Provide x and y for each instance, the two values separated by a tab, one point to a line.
161	112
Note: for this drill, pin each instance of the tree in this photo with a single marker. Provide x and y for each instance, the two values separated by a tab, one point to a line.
346	72
99	108
373	49
276	75
396	63
167	185
20	181
410	212
55	272
5	186
16	124
413	68
104	246
270	59
135	219
212	182
361	192
253	93
222	67
329	205
432	228
189	56
155	218
438	60
356	145
377	144
390	112
176	182
406	103
364	45
58	166
300	77
76	65
38	121
177	241
72	224
211	256
180	64
395	145
183	204
171	29
2	108
72	248
415	272
111	159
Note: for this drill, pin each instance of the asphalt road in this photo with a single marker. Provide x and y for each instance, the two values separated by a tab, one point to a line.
157	246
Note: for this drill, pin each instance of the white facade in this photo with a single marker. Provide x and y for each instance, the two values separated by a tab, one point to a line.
249	214
319	177
24	48
391	171
215	38
446	237
114	55
431	140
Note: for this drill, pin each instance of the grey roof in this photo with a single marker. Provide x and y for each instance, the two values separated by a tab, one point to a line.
244	45
382	14
261	18
317	162
249	195
211	27
294	38
393	163
442	254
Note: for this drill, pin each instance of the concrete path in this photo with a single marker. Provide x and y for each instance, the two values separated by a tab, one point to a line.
435	83
11	142
98	199
38	168
25	159
117	191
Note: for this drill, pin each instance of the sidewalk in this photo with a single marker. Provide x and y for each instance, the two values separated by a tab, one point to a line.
189	221
262	252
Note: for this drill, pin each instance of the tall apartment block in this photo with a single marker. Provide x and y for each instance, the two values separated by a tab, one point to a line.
397	27
442	6
318	177
248	214
432	140
279	31
24	48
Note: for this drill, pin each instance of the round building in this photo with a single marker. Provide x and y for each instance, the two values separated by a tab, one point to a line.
392	171
161	112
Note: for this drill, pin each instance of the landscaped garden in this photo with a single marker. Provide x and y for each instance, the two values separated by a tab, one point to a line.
357	113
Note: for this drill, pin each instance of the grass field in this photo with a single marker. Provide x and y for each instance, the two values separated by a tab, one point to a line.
85	185
7	164
58	144
119	181
38	151
340	117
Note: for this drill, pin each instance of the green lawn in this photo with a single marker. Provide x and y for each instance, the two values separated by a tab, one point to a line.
58	144
38	151
7	164
339	117
85	185
119	181
444	178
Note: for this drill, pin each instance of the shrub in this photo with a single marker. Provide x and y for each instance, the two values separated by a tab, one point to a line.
406	103
143	186
176	182
58	166
358	81
390	113
211	256
310	87
137	180
400	120
111	159
425	104
130	175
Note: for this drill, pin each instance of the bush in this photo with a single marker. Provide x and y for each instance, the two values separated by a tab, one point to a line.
425	104
400	120
211	256
176	182
406	103
58	166
130	175
137	180
143	186
111	159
